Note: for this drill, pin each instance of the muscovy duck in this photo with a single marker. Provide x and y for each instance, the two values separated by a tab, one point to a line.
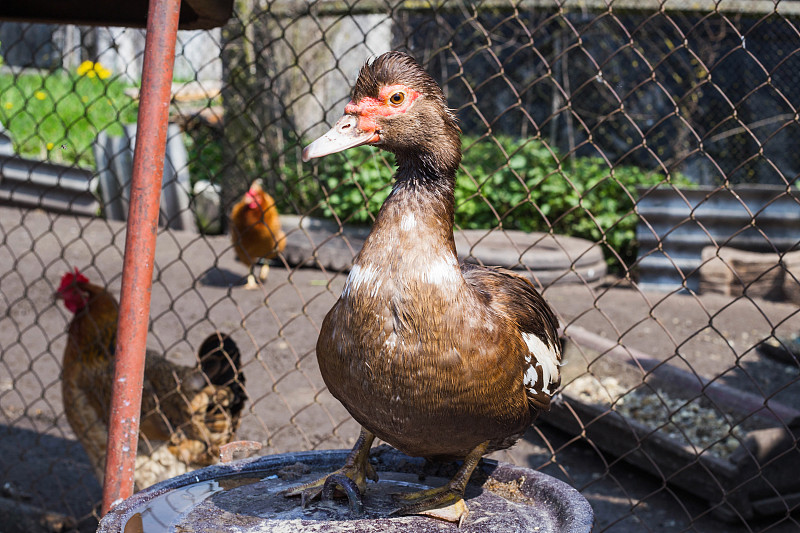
438	358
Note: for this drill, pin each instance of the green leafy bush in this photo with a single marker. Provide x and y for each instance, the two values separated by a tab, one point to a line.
505	182
524	185
349	186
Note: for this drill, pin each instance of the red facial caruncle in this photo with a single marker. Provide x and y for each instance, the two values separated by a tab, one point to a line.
392	100
359	124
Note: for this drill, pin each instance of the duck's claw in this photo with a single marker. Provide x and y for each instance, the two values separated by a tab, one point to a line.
308	491
350	478
350	488
444	503
307	496
251	284
263	273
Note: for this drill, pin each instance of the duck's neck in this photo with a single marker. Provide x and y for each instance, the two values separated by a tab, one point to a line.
411	243
415	224
430	187
425	181
424	187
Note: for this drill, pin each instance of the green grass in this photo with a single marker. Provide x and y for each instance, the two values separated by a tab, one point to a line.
58	116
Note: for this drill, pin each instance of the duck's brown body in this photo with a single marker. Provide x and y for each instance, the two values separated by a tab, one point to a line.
437	358
426	358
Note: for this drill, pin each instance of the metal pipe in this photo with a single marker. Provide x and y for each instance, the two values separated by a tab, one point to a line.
140	244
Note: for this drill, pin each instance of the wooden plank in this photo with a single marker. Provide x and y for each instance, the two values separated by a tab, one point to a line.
42	184
734	272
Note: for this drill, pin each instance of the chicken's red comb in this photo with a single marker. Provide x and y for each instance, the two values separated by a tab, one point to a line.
71	278
253	197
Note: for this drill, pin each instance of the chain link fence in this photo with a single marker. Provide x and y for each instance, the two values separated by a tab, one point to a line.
637	160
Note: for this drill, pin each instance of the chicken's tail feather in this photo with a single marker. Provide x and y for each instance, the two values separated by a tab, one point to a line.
221	362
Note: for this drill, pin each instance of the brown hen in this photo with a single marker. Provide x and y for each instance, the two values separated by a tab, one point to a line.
256	231
187	412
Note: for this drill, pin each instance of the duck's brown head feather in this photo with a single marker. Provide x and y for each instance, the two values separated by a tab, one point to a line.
396	68
399	107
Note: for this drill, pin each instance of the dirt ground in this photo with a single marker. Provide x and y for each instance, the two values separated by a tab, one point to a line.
197	289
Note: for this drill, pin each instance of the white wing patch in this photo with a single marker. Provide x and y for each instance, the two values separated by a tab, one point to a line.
546	358
391	341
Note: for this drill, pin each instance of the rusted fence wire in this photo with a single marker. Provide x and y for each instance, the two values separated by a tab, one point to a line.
637	160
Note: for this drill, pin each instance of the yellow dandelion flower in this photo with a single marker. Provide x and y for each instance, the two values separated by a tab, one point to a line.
50	146
40	95
8	105
102	72
91	74
99	68
83	68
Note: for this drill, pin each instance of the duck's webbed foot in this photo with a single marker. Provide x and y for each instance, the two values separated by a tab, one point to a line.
446	502
350	479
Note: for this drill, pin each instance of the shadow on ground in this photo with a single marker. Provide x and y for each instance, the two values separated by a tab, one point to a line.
47	472
221	277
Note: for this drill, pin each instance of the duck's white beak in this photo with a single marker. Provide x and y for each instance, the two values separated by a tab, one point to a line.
343	135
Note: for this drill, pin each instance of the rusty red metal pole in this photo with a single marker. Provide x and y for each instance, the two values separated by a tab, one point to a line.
140	247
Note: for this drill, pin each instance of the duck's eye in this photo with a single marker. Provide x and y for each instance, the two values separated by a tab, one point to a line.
397	98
